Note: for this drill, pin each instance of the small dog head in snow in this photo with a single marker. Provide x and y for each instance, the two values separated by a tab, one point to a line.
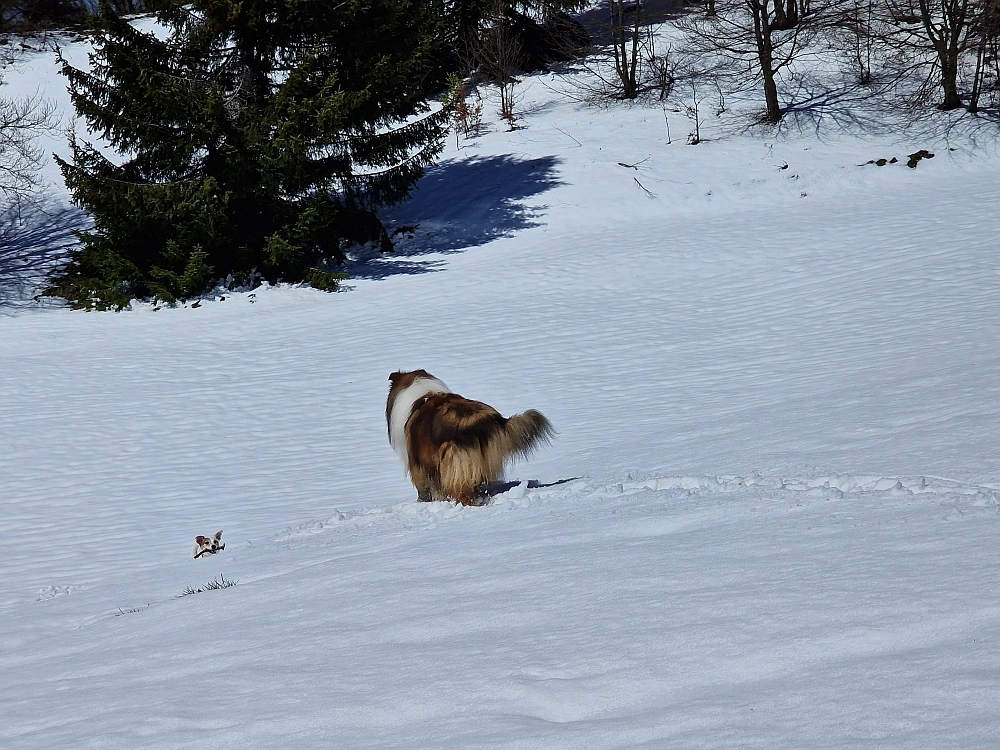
208	545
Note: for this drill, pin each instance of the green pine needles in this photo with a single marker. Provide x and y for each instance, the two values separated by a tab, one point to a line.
249	138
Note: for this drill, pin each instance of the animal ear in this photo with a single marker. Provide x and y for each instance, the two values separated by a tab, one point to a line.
218	535
394	376
201	540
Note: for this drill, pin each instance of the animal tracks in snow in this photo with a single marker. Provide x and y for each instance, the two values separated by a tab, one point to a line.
51	592
963	500
630	508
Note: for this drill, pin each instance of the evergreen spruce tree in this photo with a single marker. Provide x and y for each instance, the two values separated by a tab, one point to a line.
252	137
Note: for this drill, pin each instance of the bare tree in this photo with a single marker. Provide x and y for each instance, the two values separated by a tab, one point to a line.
625	44
25	255
497	55
625	52
986	34
659	67
942	41
21	122
858	24
753	40
946	23
693	113
944	28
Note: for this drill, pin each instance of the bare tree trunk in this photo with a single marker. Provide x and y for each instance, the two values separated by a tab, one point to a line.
765	53
949	81
977	78
858	19
625	39
785	16
758	38
986	30
947	33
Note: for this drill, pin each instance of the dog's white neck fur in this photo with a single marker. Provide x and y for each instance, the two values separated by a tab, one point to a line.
402	407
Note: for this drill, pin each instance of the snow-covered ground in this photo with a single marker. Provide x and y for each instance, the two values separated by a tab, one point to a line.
777	389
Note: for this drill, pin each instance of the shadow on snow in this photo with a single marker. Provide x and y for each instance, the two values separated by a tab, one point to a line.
458	204
35	237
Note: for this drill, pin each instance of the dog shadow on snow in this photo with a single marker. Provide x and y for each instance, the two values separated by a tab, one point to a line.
35	238
456	205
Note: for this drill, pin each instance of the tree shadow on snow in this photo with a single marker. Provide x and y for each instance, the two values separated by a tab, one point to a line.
458	204
35	237
817	106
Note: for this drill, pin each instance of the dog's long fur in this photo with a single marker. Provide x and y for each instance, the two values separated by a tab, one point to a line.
452	446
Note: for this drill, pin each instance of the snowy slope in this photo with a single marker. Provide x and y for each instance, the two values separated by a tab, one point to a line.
671	612
778	387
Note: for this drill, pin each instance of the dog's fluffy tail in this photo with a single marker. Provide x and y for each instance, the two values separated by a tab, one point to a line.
522	434
476	457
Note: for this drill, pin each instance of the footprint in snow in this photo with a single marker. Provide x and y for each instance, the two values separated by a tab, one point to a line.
51	592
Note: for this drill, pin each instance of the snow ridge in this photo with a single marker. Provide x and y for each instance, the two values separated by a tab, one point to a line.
587	493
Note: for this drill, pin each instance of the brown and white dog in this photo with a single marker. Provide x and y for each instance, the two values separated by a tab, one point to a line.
207	545
452	446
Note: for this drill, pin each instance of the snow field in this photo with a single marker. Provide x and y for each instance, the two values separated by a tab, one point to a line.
782	408
660	611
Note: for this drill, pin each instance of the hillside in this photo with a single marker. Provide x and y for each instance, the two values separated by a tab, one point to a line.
773	370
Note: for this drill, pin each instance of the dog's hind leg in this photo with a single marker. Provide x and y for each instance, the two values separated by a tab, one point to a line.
468	496
423	483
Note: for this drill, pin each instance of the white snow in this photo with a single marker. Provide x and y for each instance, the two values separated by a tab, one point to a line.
778	390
